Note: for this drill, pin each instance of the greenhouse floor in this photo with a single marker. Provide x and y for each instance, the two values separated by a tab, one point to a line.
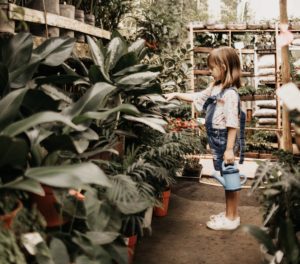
181	237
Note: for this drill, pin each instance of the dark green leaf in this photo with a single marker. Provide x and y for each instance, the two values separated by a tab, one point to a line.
57	79
55	51
10	105
3	78
95	74
18	52
131	69
14	152
91	100
128	60
37	101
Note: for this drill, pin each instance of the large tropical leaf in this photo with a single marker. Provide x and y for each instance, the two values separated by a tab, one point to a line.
91	100
155	123
127	60
125	108
137	46
102	238
10	105
131	69
27	185
98	57
54	51
138	78
69	176
59	252
18	51
115	50
37	119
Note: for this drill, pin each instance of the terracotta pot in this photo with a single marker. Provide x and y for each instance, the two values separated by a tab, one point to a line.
67	11
6	26
48	207
79	16
163	211
131	244
51	6
249	115
8	218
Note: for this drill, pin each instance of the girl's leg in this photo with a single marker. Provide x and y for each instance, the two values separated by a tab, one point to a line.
232	202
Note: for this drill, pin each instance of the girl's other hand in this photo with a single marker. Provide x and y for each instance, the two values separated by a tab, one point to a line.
170	96
229	156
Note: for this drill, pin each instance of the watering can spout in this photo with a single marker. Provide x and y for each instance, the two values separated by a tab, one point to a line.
219	178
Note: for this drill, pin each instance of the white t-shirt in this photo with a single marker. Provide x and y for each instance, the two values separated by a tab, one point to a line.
226	113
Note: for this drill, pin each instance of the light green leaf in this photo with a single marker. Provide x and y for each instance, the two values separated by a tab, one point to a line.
102	238
55	51
69	176
137	46
125	108
27	185
59	252
10	105
37	119
138	78
155	123
115	50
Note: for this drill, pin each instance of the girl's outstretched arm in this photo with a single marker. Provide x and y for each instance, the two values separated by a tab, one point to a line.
189	97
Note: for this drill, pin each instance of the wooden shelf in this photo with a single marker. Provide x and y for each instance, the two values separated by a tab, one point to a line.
208	49
257	97
207	72
30	15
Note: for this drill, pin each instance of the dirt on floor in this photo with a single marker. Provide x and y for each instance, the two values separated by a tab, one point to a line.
181	237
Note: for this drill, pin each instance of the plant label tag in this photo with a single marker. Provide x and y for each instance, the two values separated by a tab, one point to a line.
30	240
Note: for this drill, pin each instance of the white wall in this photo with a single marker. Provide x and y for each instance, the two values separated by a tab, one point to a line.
268	9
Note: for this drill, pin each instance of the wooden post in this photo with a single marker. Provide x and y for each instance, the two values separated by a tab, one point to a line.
285	71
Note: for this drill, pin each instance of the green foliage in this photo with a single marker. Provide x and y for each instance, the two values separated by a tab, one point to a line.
280	200
9	249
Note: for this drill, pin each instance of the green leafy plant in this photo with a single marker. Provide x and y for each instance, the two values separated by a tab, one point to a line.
280	200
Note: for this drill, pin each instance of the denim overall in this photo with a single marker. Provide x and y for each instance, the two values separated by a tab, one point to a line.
217	138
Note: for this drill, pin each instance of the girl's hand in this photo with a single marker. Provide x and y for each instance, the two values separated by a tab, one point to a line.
170	96
229	156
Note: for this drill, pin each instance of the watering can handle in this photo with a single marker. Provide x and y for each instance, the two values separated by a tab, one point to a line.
244	180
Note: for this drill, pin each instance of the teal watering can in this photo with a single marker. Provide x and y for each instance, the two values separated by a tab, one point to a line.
231	177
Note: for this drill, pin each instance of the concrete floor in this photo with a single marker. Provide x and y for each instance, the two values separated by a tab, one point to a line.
181	237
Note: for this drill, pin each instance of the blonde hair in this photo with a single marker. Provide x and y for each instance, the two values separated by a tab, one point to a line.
227	59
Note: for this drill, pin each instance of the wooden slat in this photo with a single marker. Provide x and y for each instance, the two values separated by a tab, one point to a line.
35	16
208	49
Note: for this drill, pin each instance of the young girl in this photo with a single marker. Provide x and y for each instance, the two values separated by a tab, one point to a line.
222	106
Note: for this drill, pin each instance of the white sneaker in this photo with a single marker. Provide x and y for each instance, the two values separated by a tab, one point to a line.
222	214
223	223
